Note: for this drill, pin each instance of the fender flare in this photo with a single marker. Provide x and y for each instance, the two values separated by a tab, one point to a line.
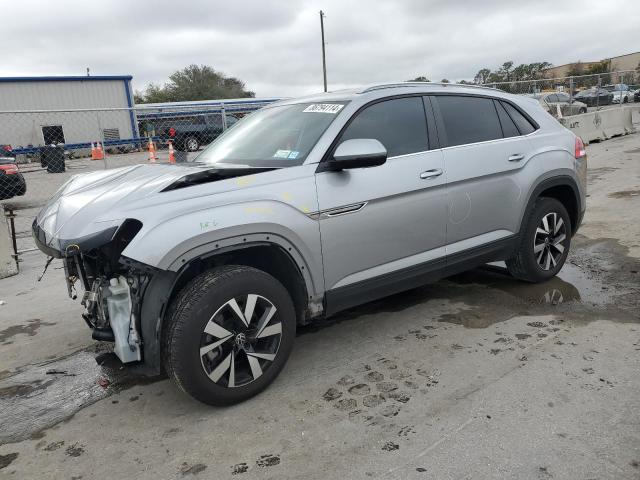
160	290
238	242
544	184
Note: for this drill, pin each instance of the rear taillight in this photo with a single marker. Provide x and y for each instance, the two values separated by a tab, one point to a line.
9	168
172	132
580	150
7	148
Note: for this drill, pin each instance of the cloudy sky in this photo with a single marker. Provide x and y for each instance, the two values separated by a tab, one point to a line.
274	46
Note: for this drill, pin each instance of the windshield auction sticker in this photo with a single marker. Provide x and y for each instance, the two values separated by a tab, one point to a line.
324	108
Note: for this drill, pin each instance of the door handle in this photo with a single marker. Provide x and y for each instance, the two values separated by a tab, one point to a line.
433	173
516	157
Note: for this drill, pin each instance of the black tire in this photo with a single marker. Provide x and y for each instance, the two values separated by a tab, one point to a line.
191	144
193	310
526	264
583	110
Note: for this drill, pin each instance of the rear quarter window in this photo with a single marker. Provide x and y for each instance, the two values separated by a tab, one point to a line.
509	128
524	125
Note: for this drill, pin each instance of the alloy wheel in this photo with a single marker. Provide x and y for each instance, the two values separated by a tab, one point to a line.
240	341
549	241
192	144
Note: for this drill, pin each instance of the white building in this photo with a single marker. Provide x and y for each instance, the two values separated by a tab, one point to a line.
76	111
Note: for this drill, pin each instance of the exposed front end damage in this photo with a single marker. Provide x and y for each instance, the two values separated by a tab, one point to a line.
113	285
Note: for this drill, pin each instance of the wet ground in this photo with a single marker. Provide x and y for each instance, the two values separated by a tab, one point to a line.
476	376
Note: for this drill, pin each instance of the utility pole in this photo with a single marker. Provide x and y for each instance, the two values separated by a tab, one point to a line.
324	62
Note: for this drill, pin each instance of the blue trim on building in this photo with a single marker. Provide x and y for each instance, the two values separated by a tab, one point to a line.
75	78
132	117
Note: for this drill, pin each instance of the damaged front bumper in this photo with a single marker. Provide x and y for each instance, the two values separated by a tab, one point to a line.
113	286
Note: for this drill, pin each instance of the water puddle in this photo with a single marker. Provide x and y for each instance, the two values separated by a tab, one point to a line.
598	281
572	284
41	396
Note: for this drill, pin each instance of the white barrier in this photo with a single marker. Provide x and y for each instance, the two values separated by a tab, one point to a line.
7	263
600	125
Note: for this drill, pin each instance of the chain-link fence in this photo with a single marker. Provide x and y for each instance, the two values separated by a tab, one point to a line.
565	96
41	149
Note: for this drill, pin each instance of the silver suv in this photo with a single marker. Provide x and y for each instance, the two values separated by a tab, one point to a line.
305	208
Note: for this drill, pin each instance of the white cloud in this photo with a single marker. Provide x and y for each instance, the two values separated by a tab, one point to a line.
275	46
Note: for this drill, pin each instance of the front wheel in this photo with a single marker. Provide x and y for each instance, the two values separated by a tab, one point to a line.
230	332
544	243
191	144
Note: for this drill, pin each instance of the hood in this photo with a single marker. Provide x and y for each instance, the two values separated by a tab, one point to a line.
90	207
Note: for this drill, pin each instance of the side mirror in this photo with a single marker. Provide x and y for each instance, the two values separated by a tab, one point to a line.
356	153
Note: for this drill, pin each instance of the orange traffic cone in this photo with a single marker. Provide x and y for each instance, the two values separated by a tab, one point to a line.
172	157
152	152
94	155
99	151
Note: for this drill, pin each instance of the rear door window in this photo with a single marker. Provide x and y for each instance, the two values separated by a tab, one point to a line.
399	124
524	125
468	119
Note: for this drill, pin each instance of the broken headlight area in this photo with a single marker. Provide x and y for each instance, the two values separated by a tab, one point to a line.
113	289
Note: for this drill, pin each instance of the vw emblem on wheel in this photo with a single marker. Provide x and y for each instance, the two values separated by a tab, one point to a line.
241	340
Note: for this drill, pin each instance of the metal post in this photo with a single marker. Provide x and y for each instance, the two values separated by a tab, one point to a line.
10	214
224	117
324	62
620	82
101	136
570	90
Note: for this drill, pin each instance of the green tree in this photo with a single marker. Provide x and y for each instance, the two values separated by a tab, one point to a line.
419	79
444	80
600	69
505	71
195	82
482	76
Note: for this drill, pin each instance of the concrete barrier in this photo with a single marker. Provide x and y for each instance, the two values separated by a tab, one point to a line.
7	263
602	124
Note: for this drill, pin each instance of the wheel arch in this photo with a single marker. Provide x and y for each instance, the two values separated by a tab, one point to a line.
266	252
563	188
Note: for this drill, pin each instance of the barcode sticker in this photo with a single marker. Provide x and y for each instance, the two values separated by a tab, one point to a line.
332	108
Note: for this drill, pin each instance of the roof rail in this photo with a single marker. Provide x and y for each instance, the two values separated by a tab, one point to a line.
421	84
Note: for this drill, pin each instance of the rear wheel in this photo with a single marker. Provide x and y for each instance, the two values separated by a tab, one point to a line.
544	244
230	332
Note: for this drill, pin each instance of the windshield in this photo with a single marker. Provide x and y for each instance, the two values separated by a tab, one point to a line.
280	136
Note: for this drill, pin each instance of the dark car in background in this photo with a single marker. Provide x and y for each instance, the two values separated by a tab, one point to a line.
595	96
190	135
12	183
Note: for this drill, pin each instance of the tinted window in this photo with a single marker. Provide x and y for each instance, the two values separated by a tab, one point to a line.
469	119
398	124
553	98
520	120
563	97
509	128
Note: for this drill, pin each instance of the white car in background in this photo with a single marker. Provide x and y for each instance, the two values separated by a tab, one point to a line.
621	93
